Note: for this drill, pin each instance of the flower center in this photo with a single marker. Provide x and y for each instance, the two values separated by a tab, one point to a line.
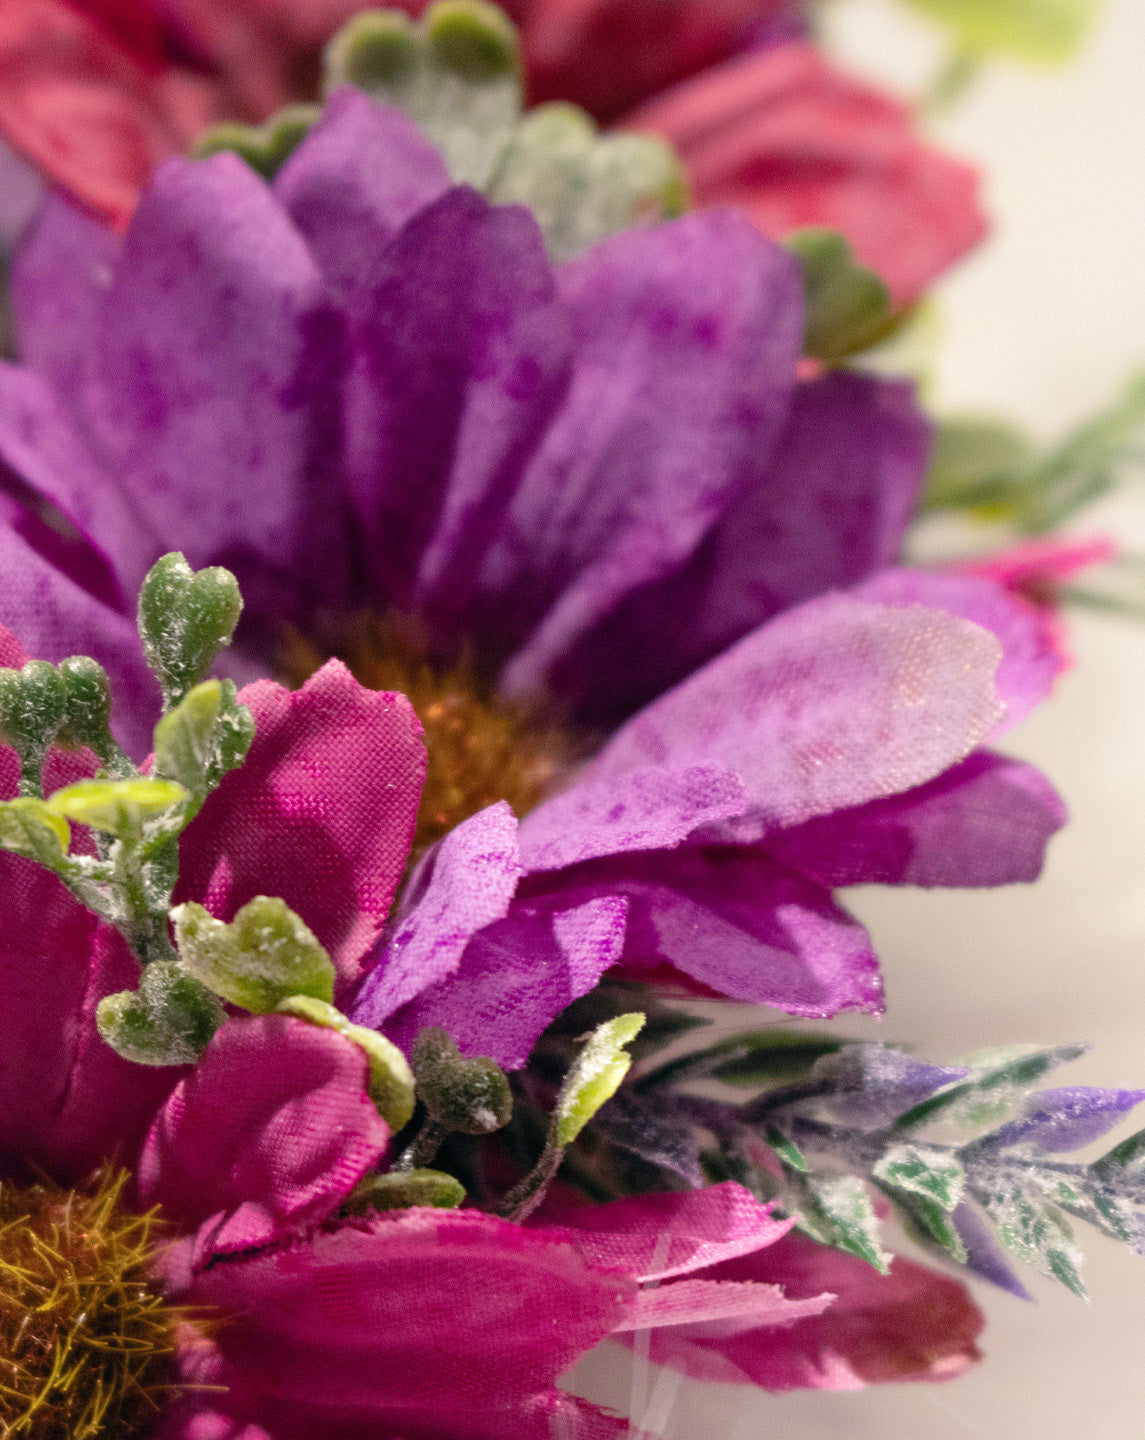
482	748
86	1339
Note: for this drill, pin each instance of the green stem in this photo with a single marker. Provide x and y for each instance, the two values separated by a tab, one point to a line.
524	1198
422	1149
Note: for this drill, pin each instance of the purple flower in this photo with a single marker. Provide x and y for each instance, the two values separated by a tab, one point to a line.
365	387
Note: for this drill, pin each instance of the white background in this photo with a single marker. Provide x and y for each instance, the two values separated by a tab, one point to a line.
1043	325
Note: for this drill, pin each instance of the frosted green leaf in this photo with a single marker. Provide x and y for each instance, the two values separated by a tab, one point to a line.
116	807
594	1077
836	1210
1033	30
468	1095
391	1079
401	1189
29	828
788	1152
168	1021
185	618
204	736
1003	1077
931	1173
928	1223
1035	1232
264	955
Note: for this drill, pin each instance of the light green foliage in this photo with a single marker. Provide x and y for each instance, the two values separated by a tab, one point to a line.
400	1189
847	306
116	807
1032	30
594	1077
787	1150
929	1223
87	714
204	736
29	828
391	1079
934	1174
1035	1232
185	618
836	1210
33	706
467	1095
265	148
264	955
1001	1079
167	1021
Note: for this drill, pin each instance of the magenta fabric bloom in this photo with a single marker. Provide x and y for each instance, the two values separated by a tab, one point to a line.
364	386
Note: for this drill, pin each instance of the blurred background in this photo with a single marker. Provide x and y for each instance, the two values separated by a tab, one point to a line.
1042	326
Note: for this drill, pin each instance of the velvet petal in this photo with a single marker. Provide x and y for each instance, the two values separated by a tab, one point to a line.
685	337
215	377
986	821
322	813
785	134
428	1323
830	510
830	705
471	884
913	1324
1031	660
266	1136
358	176
518	974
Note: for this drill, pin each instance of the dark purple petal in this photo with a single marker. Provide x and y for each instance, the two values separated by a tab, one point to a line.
741	925
830	705
53	617
214	388
1066	1119
685	337
359	175
654	808
830	510
268	1134
471	884
1030	659
517	976
321	813
986	821
984	1256
62	267
462	353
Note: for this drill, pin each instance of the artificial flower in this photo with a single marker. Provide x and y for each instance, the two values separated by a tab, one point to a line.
98	95
363	386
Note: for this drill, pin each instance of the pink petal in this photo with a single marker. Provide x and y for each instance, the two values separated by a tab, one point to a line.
322	813
269	1133
739	1304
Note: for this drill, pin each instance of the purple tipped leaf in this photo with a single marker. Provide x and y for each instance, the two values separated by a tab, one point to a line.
1067	1119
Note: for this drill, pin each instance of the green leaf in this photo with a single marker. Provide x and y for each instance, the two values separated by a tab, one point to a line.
116	807
467	1095
836	1210
87	706
391	1079
1125	1160
402	1189
204	736
928	1223
185	619
169	1020
29	828
847	306
265	955
594	1077
1003	1078
265	148
977	462
932	1173
750	1059
1039	31
1035	1232
787	1150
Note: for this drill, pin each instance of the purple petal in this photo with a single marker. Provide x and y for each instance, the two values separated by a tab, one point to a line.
53	617
1030	659
62	267
111	551
1066	1119
428	1323
877	1084
474	876
215	384
461	356
359	175
269	1133
984	1256
685	338
659	1236
830	705
517	976
986	821
742	926
830	511
321	813
654	808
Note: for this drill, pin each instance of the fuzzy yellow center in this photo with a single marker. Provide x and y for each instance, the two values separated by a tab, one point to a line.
86	1340
481	747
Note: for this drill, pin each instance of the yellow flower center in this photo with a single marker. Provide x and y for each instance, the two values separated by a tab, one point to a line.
86	1339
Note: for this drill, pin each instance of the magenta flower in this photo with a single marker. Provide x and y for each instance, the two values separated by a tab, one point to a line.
363	385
